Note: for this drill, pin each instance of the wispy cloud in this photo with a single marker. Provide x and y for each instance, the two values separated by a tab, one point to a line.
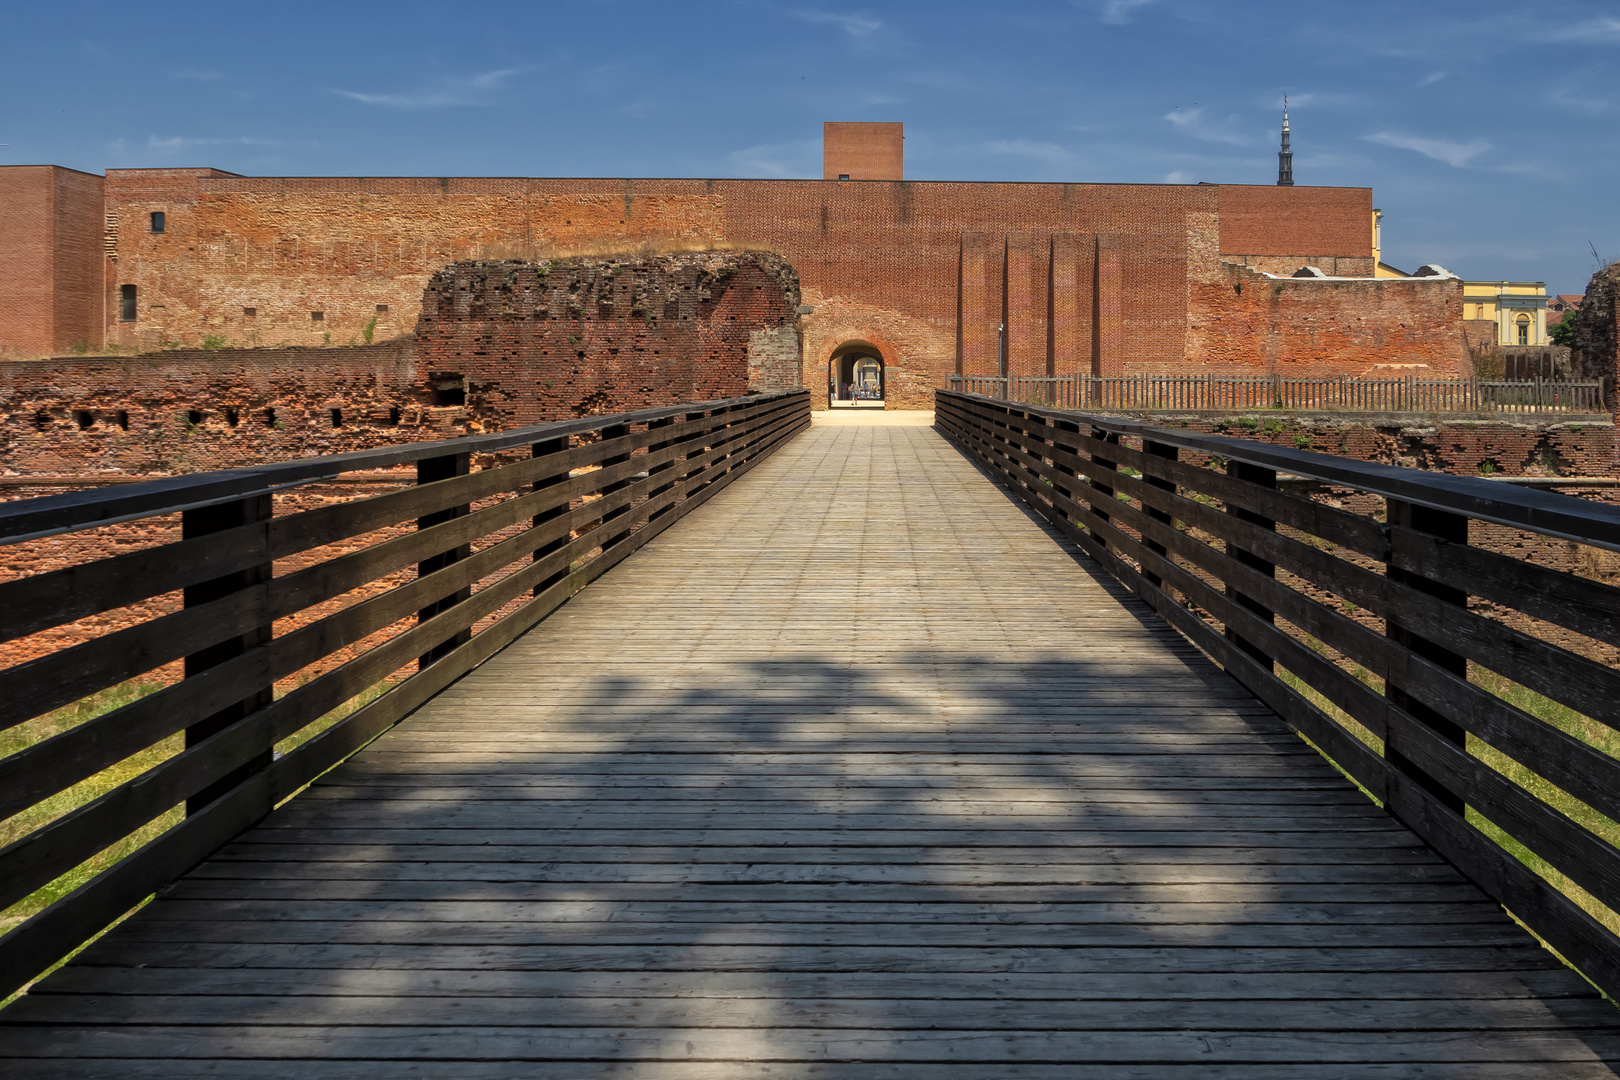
1431	78
1455	154
855	24
1118	12
774	160
1193	122
1179	176
1604	31
445	92
185	142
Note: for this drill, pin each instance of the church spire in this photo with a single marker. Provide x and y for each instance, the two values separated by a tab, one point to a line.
1285	156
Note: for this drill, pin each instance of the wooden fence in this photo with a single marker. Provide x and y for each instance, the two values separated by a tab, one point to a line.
1358	632
429	579
1338	394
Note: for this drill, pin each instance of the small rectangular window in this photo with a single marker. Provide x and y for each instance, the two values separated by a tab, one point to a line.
126	310
250	311
317	316
382	309
158	220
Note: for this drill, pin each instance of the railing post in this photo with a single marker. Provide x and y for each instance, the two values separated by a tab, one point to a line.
1169	453
663	483
1253	474
1104	492
617	431
201	522
543	449
1061	428
1452	528
428	471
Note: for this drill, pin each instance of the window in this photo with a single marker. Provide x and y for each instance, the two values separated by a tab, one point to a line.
317	316
123	419
337	417
85	418
393	417
843	176
126	297
250	311
449	391
158	220
382	309
232	417
1524	329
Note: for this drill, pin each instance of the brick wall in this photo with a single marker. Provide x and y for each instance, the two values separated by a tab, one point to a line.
863	151
1248	323
50	259
589	336
500	345
1596	353
911	267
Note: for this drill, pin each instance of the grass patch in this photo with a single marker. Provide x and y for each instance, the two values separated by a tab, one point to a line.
44	812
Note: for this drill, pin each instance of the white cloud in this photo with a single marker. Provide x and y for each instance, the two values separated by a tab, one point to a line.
446	92
854	24
1455	154
1431	78
1118	12
1179	176
182	142
1604	31
1192	122
774	160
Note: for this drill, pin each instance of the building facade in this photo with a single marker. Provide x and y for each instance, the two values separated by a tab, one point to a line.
925	278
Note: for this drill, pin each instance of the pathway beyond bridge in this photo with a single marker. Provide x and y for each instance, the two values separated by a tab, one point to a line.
858	771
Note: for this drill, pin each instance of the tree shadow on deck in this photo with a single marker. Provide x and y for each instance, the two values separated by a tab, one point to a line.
912	831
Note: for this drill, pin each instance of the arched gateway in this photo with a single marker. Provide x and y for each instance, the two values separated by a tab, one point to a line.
855	377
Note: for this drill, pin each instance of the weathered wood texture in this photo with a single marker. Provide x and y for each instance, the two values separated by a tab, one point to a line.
493	550
1202	546
860	772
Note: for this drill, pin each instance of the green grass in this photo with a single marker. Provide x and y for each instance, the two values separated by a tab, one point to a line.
42	813
1583	727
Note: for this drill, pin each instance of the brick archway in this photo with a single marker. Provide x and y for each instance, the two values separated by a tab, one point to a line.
857	376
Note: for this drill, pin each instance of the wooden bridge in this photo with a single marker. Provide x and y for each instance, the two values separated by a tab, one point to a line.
863	769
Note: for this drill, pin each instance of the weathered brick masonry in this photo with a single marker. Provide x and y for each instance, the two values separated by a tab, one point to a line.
1108	278
499	345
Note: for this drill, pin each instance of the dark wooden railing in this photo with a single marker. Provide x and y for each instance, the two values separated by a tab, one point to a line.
397	595
1469	691
1338	393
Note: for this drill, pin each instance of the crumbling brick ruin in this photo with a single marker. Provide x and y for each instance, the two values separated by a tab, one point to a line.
499	345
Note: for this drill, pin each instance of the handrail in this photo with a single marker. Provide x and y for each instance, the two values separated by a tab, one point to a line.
278	685
1489	735
87	509
1332	393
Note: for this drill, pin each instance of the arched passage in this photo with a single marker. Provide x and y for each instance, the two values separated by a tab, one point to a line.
855	377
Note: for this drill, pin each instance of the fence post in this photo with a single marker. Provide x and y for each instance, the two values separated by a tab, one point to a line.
617	431
1452	528
428	471
543	449
663	483
1169	453
1253	474
254	509
1103	492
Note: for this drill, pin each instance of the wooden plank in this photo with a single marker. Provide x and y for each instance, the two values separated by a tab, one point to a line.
862	767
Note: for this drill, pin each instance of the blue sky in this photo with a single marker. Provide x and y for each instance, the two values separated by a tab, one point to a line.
1489	132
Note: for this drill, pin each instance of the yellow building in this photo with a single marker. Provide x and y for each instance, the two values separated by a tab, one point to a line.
1518	308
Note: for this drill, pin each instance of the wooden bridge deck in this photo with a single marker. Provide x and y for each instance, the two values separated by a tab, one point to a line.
857	772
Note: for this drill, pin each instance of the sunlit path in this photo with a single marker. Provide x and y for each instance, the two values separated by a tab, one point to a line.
856	772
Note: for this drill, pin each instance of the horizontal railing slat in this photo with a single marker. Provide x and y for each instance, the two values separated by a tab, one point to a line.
632	485
1132	510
